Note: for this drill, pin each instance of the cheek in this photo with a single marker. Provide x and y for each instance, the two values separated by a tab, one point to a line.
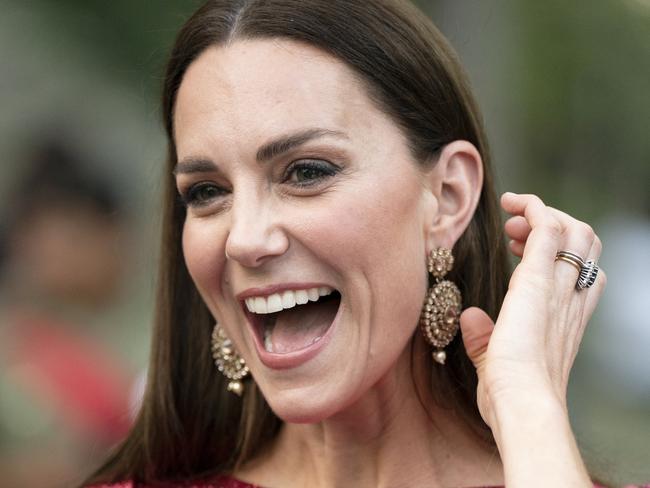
375	228
203	249
377	242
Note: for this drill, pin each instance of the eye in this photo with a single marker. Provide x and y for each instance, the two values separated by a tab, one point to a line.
308	172
201	194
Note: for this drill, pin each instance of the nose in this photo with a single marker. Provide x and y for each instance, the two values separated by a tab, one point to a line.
255	234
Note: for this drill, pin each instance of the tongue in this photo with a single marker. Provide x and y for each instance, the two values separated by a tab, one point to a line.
298	327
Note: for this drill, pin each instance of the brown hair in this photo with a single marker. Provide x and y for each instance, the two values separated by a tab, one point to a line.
189	425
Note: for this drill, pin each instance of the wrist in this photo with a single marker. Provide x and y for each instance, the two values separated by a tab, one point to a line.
533	431
520	393
534	410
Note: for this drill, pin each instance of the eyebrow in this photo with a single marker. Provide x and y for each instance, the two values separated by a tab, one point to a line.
265	153
286	143
194	165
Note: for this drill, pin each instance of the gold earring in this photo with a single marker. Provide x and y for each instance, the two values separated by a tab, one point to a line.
228	361
440	315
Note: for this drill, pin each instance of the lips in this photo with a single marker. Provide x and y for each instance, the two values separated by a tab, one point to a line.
290	326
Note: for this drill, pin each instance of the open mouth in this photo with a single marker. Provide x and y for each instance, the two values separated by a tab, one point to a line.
294	319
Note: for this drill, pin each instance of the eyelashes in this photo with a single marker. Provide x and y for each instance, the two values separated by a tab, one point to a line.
309	172
303	174
201	194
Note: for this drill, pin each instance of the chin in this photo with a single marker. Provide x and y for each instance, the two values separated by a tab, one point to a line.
304	401
306	412
310	404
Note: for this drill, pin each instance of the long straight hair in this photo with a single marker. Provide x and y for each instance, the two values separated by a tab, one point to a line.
189	426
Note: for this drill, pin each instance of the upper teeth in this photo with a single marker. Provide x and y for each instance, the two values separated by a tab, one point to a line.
286	299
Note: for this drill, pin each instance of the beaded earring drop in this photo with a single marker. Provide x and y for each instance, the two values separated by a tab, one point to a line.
228	361
440	315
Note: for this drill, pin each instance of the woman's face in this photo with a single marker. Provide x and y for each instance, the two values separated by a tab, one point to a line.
299	189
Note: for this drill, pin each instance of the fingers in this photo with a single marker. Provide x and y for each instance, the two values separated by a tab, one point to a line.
543	314
579	239
517	229
536	228
544	238
584	303
568	234
517	248
476	328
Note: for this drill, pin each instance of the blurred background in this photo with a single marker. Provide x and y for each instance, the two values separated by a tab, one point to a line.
565	92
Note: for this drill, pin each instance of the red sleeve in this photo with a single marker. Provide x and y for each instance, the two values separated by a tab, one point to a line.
127	484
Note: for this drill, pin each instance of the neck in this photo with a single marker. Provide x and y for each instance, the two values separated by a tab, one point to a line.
388	438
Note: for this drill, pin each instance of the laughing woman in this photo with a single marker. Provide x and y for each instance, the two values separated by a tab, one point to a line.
330	207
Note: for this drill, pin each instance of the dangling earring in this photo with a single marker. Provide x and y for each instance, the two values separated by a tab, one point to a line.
228	361
441	311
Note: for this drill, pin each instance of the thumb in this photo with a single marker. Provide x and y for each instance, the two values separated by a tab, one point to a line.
476	328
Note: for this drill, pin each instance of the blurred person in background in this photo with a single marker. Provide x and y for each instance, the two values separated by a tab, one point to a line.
64	393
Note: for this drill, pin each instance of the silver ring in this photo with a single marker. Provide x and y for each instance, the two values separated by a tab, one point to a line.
588	275
588	270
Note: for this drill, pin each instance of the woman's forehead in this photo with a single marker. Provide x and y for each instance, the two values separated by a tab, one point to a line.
261	87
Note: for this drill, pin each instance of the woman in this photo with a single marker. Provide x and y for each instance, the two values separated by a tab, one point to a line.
336	213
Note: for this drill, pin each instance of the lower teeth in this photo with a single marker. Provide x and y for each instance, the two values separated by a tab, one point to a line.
268	343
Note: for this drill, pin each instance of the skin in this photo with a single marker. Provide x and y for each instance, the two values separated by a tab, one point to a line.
351	413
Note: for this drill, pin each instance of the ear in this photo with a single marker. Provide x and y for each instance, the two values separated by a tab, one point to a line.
455	182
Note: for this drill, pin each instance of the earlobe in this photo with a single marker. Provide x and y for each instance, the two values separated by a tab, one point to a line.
456	180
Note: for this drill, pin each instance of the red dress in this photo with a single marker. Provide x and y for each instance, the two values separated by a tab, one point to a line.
220	482
227	482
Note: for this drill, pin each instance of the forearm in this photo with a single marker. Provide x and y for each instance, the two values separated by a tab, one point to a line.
537	446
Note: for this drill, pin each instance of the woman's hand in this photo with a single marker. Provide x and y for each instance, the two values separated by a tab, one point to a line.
524	360
528	354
